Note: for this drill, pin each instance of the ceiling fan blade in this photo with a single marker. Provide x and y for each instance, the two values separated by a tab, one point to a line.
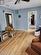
26	0
17	1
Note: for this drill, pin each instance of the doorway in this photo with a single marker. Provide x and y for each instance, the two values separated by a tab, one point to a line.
8	19
32	19
32	16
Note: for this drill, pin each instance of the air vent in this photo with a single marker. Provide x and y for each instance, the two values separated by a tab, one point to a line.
26	0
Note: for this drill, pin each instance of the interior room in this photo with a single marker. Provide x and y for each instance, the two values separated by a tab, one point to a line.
20	27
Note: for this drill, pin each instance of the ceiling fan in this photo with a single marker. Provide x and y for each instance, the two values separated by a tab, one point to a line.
17	1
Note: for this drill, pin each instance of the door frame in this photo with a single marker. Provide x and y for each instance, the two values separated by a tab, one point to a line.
34	19
12	17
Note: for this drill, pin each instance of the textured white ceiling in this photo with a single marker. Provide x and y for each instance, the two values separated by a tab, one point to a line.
22	4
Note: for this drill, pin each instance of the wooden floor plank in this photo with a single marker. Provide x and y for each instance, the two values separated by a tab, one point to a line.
17	44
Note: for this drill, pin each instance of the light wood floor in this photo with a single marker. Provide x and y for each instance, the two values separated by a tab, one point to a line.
17	44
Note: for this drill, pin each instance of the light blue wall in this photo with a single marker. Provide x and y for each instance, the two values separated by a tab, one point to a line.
38	19
3	18
22	23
